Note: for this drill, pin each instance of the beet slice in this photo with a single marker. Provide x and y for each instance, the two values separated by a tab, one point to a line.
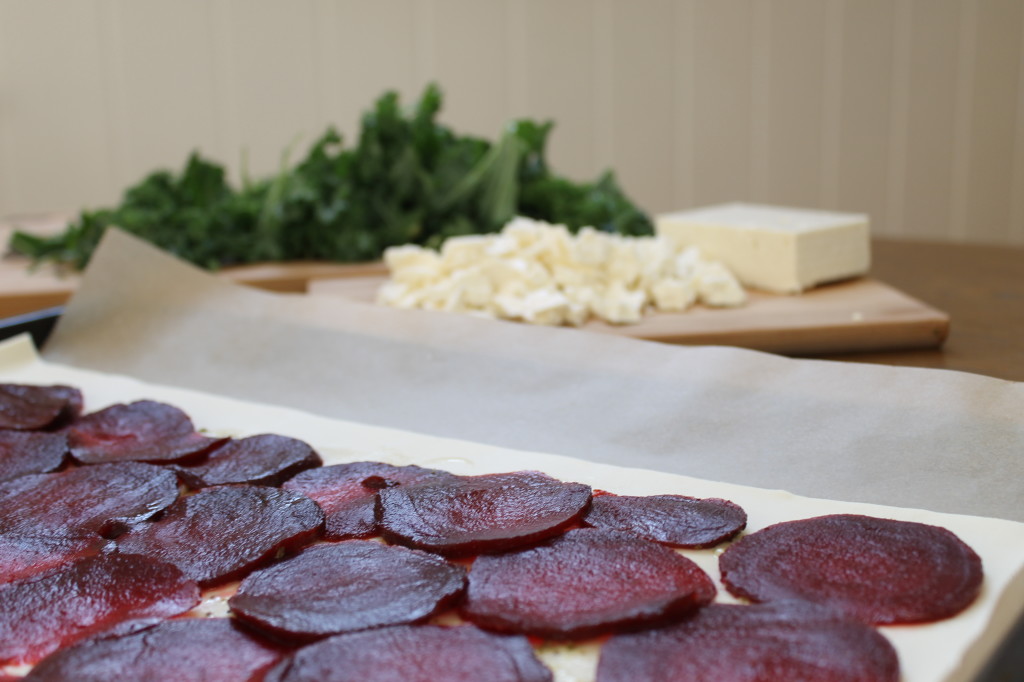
876	570
24	555
30	452
346	586
673	520
24	407
143	431
108	592
474	514
266	459
347	501
779	641
221	533
99	499
201	650
425	653
585	583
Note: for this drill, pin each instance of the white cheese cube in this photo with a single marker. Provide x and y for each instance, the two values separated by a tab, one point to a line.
717	287
465	251
672	295
785	250
621	305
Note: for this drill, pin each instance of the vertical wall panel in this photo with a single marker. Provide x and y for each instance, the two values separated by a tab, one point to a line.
561	75
642	105
722	91
832	102
53	114
963	112
272	72
899	118
684	104
470	55
371	49
158	59
866	109
932	88
797	93
1017	174
988	183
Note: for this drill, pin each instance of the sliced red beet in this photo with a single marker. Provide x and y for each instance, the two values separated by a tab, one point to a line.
195	649
346	586
25	407
587	582
780	641
347	501
105	593
30	452
876	570
100	499
673	520
425	653
474	514
143	431
23	555
267	459
221	533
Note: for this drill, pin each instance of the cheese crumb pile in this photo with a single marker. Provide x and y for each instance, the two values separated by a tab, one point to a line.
542	274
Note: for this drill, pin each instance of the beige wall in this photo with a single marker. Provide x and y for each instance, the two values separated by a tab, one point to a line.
911	110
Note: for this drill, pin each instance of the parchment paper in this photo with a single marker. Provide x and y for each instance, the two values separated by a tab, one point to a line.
932	439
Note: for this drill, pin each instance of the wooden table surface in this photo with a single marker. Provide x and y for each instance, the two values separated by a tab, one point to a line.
982	290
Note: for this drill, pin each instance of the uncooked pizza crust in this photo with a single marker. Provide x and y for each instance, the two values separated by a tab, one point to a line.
949	651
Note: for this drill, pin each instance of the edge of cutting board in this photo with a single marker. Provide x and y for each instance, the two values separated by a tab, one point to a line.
856	315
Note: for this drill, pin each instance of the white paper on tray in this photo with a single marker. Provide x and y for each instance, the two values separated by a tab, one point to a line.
931	439
949	651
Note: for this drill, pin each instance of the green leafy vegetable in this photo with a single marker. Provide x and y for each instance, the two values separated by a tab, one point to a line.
408	179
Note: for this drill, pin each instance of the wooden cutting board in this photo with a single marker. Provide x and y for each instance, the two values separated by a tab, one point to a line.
857	315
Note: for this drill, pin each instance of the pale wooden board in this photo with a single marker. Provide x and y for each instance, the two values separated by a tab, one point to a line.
857	315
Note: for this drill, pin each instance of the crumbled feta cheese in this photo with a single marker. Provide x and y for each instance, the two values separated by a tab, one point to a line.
542	274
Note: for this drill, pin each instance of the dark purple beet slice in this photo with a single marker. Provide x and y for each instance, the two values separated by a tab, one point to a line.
345	586
109	592
100	499
30	452
473	514
23	555
348	503
424	653
221	533
267	459
24	407
587	582
876	570
192	649
780	641
143	431
673	520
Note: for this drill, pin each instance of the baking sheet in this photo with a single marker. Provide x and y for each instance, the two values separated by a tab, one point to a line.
950	651
931	439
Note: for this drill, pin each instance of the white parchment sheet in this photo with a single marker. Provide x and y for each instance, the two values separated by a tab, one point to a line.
931	439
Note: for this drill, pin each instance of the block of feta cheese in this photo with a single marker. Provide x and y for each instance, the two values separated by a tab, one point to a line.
783	250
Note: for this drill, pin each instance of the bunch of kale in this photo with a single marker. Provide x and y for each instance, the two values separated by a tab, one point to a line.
409	179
